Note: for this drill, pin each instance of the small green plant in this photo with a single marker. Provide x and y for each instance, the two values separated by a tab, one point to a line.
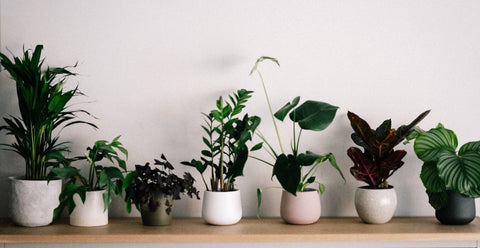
444	168
378	160
100	177
226	141
44	113
144	183
289	168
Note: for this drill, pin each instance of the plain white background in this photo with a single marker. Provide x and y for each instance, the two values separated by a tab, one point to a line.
149	68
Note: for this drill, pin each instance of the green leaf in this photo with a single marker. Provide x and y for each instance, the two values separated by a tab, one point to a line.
321	188
314	115
283	112
288	172
262	59
430	144
431	179
460	173
257	147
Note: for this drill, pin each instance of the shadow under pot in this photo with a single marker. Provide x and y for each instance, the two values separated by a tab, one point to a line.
460	210
222	207
302	209
159	211
375	206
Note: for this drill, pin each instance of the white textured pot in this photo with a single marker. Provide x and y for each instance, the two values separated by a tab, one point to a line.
222	208
302	209
33	201
375	206
90	213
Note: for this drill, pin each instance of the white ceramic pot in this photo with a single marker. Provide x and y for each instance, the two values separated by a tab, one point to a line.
90	213
375	206
33	201
302	209
222	208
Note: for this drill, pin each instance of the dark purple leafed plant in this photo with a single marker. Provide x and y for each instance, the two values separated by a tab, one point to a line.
378	160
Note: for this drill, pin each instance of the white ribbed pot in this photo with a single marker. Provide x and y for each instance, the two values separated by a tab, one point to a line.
302	209
375	206
33	201
222	208
90	213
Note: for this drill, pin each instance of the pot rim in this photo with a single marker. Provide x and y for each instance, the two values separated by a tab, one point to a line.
371	188
22	178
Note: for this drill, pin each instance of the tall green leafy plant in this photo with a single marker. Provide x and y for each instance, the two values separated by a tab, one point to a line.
288	168
44	112
100	176
378	160
227	135
444	168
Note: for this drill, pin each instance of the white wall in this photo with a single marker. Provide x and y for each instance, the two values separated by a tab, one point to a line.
149	68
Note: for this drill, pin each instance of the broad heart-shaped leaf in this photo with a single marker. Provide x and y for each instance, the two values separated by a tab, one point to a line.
314	115
460	173
429	145
283	112
288	172
430	178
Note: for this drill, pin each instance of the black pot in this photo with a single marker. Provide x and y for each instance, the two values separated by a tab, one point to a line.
460	210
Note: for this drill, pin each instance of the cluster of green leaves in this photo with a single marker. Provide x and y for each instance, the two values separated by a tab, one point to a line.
100	177
444	169
44	112
288	168
378	160
226	139
144	183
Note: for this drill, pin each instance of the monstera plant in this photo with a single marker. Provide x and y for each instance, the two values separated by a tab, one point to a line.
378	160
296	170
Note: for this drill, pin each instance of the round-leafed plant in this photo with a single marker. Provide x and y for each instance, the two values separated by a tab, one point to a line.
444	168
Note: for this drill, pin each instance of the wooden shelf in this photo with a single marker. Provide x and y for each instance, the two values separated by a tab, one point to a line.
130	230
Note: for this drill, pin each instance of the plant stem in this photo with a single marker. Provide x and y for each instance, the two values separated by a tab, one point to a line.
271	111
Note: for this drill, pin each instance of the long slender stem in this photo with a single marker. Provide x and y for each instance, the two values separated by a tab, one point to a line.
271	111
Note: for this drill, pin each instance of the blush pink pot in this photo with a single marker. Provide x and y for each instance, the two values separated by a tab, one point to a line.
302	209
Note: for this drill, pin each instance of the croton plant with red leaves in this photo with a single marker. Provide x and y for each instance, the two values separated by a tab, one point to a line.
378	160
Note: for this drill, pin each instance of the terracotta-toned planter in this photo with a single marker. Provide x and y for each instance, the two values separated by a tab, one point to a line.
90	213
302	209
160	216
222	208
33	201
375	206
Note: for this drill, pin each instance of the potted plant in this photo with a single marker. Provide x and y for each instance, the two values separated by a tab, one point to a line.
153	191
376	203
88	198
227	135
44	113
451	177
295	170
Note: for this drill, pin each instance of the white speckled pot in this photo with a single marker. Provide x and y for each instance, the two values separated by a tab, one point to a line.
302	209
33	201
375	206
222	208
90	213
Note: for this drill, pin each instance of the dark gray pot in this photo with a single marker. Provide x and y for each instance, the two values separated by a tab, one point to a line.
459	211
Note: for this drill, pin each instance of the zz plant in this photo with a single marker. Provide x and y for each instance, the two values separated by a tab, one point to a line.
227	135
378	160
444	167
100	177
288	168
44	112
